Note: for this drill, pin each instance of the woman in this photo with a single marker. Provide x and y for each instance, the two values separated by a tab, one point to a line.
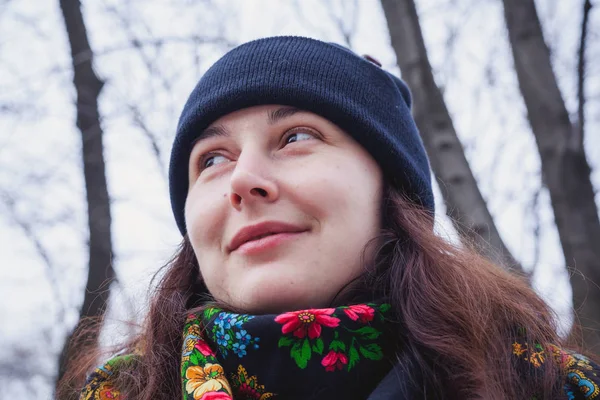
309	268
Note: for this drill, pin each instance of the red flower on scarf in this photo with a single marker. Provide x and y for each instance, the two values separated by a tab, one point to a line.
334	360
307	322
361	312
216	396
203	348
248	392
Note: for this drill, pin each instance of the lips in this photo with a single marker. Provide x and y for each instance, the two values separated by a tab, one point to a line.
261	230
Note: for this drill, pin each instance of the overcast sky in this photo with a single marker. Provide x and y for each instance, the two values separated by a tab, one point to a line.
41	183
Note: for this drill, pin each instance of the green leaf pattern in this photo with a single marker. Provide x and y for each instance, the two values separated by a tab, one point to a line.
342	354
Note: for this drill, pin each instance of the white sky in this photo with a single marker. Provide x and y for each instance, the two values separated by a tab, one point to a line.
40	149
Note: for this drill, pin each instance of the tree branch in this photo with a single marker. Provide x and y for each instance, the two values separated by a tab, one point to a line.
565	169
465	204
87	87
150	135
41	250
587	6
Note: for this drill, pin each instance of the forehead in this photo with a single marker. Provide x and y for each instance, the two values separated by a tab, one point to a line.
271	114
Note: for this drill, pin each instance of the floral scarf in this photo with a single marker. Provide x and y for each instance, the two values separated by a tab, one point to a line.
330	353
325	353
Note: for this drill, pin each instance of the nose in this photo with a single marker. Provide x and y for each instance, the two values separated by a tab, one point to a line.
251	182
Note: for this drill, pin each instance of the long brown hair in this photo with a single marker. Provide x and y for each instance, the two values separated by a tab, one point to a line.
458	317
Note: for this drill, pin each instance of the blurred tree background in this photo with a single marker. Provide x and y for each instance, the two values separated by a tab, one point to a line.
506	95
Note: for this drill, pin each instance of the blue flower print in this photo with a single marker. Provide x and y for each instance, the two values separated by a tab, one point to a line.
230	321
243	337
227	332
220	320
239	349
222	338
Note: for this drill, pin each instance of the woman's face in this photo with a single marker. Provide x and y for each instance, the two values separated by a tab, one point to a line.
281	205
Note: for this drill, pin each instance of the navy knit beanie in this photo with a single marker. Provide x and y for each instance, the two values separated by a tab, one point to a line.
370	104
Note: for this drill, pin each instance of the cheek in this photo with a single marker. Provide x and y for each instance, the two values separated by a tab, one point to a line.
344	187
204	216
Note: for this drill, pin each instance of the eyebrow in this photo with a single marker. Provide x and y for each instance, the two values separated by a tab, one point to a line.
212	131
273	117
282	113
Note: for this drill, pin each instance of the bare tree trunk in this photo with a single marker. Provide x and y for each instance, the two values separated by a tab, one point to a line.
565	170
88	87
587	6
465	204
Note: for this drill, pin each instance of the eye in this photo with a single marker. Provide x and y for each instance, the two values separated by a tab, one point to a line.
299	136
212	159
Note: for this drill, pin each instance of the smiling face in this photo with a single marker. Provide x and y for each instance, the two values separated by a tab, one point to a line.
281	205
